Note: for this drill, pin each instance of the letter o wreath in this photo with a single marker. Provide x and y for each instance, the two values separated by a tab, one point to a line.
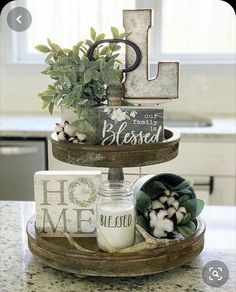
91	186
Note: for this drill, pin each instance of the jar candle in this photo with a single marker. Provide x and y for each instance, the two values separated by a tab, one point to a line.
116	215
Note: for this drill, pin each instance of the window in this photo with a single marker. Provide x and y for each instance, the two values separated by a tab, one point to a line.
185	30
198	29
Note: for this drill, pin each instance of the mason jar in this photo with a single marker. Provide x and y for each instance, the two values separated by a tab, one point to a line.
116	215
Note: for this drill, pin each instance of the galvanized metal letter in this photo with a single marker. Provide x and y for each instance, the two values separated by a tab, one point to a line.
137	85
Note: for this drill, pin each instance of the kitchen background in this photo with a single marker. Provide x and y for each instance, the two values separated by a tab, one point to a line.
200	34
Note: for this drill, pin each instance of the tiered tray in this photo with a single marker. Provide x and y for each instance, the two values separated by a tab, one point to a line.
58	253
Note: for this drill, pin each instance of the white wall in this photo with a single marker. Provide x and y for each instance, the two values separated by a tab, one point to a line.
207	89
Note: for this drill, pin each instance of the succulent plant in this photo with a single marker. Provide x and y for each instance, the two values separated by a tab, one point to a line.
165	210
81	83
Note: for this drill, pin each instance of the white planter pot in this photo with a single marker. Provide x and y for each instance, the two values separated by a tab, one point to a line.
69	114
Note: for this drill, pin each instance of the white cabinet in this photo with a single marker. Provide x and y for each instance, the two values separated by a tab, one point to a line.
202	161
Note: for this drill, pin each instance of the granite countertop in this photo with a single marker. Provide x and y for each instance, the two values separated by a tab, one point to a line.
20	271
223	128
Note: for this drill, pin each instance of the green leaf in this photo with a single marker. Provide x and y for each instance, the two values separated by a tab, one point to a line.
44	105
79	44
115	32
49	57
76	123
100	37
186	192
105	50
42	49
77	90
92	33
82	101
200	206
50	108
154	189
193	206
55	47
185	231
81	67
47	99
111	76
143	201
186	219
183	198
69	99
124	34
66	51
184	185
88	126
96	75
115	56
191	225
66	81
89	43
142	222
116	48
88	75
83	50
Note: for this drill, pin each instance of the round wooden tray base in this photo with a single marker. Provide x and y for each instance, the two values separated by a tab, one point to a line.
58	253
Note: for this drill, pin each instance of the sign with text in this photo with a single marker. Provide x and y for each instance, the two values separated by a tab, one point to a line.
65	202
130	125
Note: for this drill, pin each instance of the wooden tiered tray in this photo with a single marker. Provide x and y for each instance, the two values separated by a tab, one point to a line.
117	156
59	254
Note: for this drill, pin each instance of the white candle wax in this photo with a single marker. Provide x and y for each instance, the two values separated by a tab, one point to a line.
116	222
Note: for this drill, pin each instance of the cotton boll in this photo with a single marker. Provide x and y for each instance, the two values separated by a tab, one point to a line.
153	218
163	199
182	210
69	130
162	214
156	204
167	192
81	137
171	211
58	128
179	217
76	141
160	224
62	124
171	201
61	136
157	232
175	204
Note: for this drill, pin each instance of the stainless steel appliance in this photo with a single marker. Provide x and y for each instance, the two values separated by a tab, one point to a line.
20	158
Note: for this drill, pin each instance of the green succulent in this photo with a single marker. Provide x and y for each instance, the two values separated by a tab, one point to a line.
79	82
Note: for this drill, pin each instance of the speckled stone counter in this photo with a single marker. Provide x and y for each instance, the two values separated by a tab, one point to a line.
20	271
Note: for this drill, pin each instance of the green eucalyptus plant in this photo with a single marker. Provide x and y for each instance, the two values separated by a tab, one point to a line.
79	82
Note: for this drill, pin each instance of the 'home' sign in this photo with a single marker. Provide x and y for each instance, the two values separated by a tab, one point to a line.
129	125
65	202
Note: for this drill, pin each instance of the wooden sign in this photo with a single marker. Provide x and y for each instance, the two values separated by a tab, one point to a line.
129	125
65	202
137	85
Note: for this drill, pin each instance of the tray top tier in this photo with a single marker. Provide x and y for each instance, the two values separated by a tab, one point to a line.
115	156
